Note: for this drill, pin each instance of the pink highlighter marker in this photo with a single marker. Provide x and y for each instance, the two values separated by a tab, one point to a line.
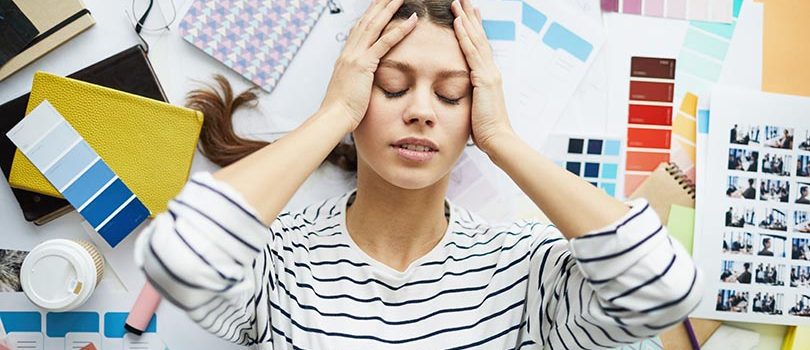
143	310
3	337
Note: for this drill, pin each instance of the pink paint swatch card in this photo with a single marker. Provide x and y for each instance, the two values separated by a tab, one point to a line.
699	10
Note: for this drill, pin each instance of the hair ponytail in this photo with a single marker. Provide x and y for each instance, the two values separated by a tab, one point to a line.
218	140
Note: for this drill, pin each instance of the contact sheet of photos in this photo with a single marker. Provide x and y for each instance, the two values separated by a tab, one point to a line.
754	247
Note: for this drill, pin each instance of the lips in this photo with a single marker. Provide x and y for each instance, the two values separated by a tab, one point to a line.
415	149
417	144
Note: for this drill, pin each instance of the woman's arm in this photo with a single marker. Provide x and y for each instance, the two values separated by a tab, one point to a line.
269	177
619	277
573	205
209	253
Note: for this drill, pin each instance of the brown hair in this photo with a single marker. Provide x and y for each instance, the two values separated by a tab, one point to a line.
220	143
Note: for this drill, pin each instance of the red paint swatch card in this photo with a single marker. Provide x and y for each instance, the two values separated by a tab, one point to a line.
649	117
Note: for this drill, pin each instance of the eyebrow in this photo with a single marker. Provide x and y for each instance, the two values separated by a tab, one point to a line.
407	68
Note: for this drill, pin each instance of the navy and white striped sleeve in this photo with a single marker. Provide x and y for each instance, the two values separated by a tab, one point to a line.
613	286
201	254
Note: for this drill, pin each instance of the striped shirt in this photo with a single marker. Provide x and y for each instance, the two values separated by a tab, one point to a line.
303	283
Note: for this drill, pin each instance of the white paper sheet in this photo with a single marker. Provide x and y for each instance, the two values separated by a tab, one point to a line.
558	44
769	289
173	329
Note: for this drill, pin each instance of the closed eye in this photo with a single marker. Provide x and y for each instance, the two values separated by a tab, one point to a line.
401	93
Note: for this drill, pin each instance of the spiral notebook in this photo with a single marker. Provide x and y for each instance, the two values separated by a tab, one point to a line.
255	38
665	187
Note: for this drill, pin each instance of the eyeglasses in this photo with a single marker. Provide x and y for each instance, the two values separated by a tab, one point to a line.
138	23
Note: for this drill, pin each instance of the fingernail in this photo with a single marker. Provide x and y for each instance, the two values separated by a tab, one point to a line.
413	15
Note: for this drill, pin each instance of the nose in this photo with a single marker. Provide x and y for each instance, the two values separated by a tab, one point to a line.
420	111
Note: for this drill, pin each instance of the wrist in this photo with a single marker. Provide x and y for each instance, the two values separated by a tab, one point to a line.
339	117
495	144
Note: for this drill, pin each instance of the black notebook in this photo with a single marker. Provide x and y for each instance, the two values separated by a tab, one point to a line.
16	30
128	71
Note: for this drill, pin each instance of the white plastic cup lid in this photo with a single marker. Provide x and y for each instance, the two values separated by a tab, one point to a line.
58	275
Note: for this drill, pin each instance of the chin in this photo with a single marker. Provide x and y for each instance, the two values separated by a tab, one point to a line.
411	179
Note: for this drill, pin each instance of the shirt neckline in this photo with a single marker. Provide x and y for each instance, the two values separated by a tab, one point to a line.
436	251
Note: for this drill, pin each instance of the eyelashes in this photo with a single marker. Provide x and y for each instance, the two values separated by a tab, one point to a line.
402	93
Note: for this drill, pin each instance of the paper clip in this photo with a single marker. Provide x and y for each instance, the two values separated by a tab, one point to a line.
334	6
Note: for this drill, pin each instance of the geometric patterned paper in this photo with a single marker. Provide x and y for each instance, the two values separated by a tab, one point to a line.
255	38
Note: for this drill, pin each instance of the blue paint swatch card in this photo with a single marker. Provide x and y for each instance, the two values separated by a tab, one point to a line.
80	175
596	159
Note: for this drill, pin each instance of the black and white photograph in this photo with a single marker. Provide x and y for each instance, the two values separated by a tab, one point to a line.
801	221
803	166
744	134
10	264
742	187
803	139
803	194
738	243
778	137
800	276
743	159
800	249
774	190
801	305
740	217
735	272
776	164
773	219
770	274
767	303
771	245
732	301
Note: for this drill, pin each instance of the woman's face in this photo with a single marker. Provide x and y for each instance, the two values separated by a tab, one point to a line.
418	118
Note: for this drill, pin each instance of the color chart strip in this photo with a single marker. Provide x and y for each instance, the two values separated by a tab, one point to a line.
595	159
701	10
649	120
684	135
699	66
702	55
76	170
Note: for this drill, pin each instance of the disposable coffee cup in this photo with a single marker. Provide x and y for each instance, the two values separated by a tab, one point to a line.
60	275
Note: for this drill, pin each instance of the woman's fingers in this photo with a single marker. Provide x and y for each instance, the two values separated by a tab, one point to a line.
394	36
474	24
360	26
467	46
378	22
466	21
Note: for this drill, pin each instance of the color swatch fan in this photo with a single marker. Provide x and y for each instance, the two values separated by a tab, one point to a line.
255	38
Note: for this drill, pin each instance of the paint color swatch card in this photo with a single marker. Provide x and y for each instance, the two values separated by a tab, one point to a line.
557	45
684	136
649	120
753	243
595	159
700	10
704	50
36	330
80	175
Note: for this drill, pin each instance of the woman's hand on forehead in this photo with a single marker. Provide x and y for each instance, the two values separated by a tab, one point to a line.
489	117
349	89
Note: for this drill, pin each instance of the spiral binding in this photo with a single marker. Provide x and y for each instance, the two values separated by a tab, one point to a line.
684	181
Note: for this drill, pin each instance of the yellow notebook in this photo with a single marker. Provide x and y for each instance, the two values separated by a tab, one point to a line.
148	143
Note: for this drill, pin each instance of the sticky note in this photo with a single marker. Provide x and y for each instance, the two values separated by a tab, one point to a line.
681	225
76	170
